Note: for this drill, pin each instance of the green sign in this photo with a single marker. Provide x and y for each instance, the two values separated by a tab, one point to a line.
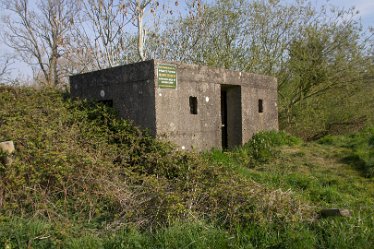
167	76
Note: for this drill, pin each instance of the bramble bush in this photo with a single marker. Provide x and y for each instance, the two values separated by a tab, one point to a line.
82	178
76	162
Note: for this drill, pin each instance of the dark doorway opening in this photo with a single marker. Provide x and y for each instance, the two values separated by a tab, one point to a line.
224	119
231	116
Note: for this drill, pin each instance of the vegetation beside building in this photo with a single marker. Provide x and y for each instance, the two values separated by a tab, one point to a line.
81	178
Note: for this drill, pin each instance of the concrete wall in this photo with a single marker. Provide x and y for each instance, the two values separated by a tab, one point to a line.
131	87
174	120
166	111
264	88
203	131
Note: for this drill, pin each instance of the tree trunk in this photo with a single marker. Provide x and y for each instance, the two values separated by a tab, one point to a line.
140	13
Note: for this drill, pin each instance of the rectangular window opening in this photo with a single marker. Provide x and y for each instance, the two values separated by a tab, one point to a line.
193	105
260	106
107	102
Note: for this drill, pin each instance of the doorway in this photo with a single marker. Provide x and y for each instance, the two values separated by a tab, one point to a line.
231	116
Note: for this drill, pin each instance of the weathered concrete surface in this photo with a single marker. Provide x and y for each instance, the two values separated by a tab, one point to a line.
137	96
175	122
130	87
203	131
253	121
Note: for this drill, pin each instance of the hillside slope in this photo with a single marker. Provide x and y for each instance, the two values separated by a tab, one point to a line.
82	178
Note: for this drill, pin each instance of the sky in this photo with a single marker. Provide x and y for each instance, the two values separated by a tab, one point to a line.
365	8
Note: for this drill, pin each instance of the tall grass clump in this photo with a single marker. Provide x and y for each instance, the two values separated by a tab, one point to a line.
357	232
32	233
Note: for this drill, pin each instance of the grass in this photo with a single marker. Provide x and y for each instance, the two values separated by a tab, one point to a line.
83	179
318	174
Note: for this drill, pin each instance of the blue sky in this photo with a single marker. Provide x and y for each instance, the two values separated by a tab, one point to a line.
365	8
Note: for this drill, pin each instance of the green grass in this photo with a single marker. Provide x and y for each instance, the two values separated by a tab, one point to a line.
319	175
81	178
361	146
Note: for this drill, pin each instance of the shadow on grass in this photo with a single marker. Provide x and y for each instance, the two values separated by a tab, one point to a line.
357	163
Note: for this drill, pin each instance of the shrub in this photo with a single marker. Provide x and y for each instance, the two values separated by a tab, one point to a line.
262	146
76	162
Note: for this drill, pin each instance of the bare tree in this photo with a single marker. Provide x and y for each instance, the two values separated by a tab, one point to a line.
138	7
37	31
100	33
138	10
5	68
185	35
104	35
